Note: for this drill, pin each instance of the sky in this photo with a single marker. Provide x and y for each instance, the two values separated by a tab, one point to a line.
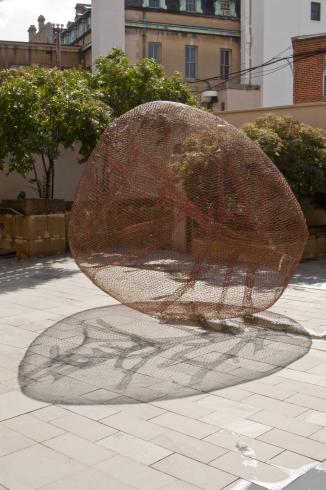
17	15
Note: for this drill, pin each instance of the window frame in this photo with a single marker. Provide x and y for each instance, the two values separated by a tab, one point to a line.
194	6
191	65
156	45
225	68
225	5
324	78
157	2
312	12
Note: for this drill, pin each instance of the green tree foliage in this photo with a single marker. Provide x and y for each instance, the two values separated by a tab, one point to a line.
194	165
126	86
198	165
43	110
298	150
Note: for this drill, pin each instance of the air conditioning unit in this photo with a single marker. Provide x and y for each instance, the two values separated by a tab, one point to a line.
209	97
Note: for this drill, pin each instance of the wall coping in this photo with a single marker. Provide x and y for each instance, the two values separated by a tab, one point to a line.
273	108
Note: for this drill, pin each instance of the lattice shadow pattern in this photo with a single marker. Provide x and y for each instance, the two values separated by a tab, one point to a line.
180	216
116	355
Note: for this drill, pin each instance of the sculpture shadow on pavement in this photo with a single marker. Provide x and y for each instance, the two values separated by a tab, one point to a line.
115	354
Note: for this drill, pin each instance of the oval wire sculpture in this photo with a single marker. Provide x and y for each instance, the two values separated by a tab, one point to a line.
180	216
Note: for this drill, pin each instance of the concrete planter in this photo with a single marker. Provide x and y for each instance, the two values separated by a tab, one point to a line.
37	229
315	248
315	217
316	245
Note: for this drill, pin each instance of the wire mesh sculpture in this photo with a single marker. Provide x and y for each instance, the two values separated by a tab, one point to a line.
180	216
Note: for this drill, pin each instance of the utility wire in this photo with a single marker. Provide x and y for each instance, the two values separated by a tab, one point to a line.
272	61
221	81
260	74
239	72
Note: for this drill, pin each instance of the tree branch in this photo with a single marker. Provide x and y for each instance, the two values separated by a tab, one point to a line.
39	189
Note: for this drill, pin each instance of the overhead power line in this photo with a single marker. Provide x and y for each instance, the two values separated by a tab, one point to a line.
294	57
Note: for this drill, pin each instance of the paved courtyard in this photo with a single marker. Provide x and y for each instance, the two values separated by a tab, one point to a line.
76	430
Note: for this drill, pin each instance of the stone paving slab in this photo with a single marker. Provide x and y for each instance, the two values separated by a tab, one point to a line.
266	433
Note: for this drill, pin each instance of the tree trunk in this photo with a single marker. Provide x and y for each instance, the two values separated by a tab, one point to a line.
47	183
37	181
52	176
49	178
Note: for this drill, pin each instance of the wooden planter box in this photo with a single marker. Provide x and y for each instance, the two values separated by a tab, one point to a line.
38	230
316	245
233	253
29	207
315	248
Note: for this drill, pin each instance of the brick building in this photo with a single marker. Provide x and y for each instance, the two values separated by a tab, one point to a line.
309	82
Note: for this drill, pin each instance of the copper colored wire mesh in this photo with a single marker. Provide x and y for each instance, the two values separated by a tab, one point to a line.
180	216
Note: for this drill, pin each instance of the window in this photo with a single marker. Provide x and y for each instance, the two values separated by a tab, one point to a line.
154	51
324	77
65	38
81	28
73	34
315	11
225	5
191	62
191	5
225	62
154	4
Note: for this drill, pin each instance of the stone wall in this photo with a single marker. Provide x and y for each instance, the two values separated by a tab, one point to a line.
40	231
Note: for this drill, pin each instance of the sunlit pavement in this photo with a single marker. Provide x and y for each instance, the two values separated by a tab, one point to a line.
267	433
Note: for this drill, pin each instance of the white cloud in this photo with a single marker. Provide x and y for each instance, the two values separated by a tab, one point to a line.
17	15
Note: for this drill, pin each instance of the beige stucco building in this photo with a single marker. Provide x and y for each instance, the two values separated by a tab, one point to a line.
209	36
198	38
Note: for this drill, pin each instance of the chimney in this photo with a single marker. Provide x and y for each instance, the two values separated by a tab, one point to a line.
31	33
41	22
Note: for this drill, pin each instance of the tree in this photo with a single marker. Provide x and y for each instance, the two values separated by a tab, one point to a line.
297	149
126	86
194	166
42	110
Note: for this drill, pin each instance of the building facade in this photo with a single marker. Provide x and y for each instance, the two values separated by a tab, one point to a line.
309	84
14	54
197	45
267	27
198	38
